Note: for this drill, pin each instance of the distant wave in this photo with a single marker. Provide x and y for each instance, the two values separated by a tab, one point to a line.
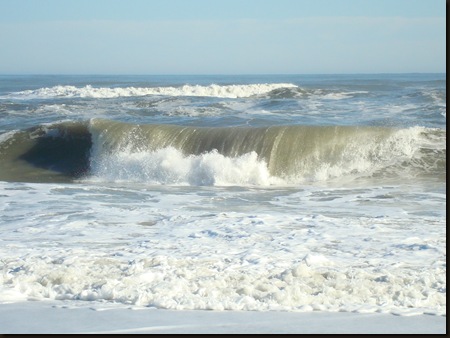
108	150
265	90
213	90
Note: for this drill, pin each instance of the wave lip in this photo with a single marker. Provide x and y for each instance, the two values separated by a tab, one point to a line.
213	90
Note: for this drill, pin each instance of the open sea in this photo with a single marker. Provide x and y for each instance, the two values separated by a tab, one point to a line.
255	193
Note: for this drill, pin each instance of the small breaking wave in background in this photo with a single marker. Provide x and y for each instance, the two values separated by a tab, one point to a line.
224	91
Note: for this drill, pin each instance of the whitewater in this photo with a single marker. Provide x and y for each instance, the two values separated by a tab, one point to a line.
295	193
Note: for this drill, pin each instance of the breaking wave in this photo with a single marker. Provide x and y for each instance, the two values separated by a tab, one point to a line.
106	150
213	90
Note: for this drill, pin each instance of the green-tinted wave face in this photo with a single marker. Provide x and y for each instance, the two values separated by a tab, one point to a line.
293	153
214	155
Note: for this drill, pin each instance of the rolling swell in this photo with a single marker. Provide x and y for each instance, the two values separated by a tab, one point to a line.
170	154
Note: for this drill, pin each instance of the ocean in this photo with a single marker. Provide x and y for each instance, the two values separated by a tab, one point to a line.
254	192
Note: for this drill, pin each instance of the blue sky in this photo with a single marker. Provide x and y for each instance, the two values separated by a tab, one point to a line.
222	36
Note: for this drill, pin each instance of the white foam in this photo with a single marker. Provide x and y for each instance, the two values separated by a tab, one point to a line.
170	166
188	249
213	90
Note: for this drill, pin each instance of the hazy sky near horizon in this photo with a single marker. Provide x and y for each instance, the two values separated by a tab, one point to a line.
222	36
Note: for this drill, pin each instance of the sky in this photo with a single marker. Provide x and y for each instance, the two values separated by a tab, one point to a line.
222	36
